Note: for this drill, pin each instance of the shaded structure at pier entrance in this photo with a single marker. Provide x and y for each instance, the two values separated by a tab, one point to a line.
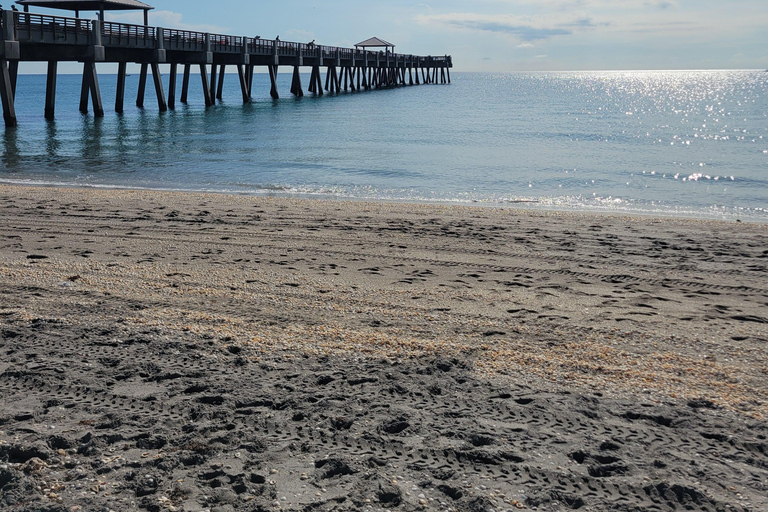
99	6
53	39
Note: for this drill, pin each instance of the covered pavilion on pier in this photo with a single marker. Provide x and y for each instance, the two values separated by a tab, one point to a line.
90	5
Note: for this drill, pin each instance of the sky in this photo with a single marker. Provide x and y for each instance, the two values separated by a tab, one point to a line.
501	35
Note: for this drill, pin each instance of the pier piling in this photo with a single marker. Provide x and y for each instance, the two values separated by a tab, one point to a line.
13	70
220	88
91	87
185	83
158	79
242	74
206	87
120	94
273	80
50	90
214	82
172	87
142	85
249	78
296	83
6	91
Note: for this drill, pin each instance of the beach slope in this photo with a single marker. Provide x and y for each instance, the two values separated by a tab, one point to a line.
167	351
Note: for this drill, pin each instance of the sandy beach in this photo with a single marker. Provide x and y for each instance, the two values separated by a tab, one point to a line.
198	352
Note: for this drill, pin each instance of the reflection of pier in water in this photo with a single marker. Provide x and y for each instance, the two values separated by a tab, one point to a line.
54	39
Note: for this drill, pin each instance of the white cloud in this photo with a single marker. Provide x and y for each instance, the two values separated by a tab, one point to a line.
523	28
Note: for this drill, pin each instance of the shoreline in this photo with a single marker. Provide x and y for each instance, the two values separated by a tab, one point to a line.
511	205
254	353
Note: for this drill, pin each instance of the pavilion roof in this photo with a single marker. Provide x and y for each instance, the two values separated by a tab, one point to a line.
89	5
374	42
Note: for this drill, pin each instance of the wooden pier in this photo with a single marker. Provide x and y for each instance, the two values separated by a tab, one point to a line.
53	39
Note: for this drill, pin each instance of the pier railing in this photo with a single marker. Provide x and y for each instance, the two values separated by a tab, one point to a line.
128	36
46	29
51	29
184	40
226	44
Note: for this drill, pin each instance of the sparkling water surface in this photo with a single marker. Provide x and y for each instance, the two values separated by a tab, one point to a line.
666	143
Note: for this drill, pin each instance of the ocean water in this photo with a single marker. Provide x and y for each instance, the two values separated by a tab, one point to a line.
663	143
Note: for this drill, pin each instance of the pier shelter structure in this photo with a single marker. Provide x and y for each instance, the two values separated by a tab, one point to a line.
90	5
53	39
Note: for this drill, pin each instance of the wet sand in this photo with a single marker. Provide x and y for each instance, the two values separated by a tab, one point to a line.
168	351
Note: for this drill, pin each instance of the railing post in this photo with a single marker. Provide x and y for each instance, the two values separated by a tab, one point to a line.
9	27
276	59
208	57
245	55
97	49
96	33
159	45
10	48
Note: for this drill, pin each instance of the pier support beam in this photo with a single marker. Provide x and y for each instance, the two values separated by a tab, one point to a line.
172	87
316	81
311	86
13	69
273	79
158	78
214	82
50	90
6	92
206	87
120	93
243	75
332	80
220	89
249	79
296	83
91	84
185	83
142	85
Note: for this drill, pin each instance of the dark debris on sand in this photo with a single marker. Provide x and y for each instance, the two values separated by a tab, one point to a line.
96	420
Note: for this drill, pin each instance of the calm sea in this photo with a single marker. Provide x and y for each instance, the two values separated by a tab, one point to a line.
669	143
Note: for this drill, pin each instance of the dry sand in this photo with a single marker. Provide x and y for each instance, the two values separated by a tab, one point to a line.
168	351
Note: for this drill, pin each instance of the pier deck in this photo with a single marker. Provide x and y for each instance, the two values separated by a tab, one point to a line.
53	39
